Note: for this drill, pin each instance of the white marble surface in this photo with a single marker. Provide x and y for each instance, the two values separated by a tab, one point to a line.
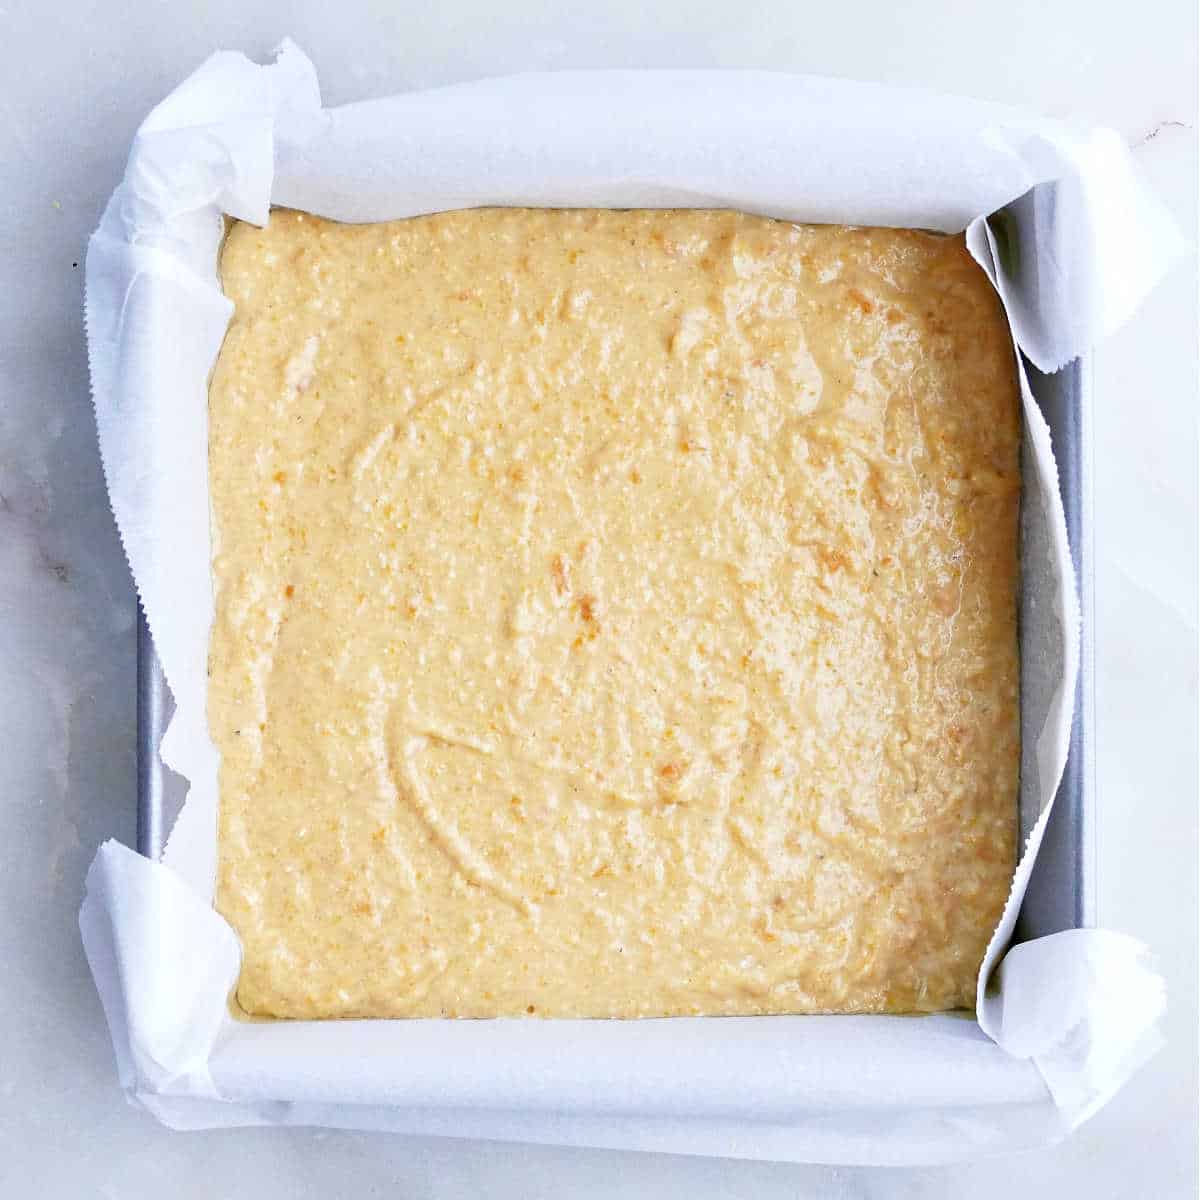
75	79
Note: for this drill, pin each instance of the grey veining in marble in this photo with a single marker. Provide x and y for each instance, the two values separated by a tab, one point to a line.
75	79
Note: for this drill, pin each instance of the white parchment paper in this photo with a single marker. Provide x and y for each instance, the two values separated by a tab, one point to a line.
1077	245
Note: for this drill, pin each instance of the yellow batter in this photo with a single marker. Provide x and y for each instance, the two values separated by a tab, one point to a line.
615	615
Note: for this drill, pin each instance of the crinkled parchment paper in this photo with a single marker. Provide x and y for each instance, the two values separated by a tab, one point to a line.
1077	245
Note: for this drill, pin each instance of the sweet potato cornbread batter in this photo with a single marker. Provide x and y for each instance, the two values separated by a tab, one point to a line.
615	615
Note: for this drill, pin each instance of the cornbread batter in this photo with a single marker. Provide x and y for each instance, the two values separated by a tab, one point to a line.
615	615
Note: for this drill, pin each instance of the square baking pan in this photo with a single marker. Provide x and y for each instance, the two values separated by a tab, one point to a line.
1061	892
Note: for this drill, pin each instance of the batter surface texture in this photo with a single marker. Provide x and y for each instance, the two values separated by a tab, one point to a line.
616	615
